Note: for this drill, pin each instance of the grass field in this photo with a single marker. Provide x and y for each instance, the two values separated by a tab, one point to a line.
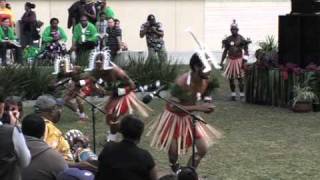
260	142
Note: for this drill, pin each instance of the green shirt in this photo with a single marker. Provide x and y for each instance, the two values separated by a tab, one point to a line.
47	36
88	33
10	35
109	13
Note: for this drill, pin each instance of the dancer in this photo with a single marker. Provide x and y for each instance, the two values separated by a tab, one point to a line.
120	87
172	131
234	46
76	88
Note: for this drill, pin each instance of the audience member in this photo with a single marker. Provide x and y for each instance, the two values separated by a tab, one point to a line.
28	25
50	110
84	38
8	40
114	38
80	146
14	153
169	177
187	173
81	8
102	26
120	161
53	33
6	12
12	111
74	13
90	11
154	36
124	46
107	10
46	163
75	174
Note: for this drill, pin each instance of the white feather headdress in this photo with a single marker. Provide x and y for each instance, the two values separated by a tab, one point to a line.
105	54
62	59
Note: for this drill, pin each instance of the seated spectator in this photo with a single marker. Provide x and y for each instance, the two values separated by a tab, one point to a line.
75	174
50	110
80	147
84	38
6	13
125	160
14	153
187	173
114	39
8	40
53	33
46	163
12	111
28	25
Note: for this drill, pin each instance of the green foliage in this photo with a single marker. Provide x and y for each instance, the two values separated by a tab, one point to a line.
267	54
146	71
270	44
12	81
304	94
30	53
26	81
314	82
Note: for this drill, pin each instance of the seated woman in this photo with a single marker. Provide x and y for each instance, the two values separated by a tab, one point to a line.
53	40
53	33
8	40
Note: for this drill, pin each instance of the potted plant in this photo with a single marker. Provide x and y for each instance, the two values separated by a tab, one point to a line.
314	82
303	99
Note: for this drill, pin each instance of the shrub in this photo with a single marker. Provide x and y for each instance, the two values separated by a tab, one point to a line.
145	71
28	82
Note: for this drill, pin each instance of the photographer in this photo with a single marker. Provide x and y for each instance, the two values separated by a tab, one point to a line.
154	36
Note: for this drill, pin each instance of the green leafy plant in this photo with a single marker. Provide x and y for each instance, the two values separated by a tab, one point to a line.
268	51
270	44
304	94
314	82
28	82
146	71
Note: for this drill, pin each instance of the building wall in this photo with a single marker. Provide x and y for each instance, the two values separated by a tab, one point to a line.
255	19
175	15
209	19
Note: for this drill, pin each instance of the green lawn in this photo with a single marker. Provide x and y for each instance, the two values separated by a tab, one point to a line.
259	143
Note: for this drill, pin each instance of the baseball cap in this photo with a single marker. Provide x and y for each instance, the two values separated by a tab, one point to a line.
47	103
75	174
